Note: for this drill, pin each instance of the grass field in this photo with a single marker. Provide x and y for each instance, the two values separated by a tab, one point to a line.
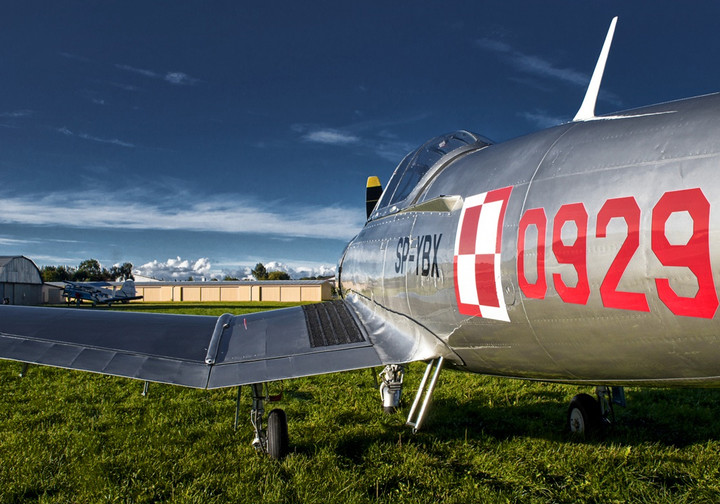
76	437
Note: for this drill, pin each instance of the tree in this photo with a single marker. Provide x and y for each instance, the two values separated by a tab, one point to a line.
56	273
90	270
278	275
122	272
230	278
259	272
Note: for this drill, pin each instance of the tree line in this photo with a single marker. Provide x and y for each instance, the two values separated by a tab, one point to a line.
87	271
261	273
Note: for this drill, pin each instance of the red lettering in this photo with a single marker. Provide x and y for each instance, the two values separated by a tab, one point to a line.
534	217
628	210
694	255
575	254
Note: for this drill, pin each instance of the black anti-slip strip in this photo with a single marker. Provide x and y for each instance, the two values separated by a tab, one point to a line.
331	324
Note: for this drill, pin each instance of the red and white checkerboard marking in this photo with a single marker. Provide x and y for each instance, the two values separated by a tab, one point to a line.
478	287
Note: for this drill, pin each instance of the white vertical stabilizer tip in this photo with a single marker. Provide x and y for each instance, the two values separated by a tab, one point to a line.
587	109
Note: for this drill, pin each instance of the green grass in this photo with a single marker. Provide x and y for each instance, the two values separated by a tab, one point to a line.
189	308
76	437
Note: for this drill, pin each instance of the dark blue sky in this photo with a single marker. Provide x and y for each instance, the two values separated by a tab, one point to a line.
237	132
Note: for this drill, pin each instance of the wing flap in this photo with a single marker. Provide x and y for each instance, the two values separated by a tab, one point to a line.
290	343
293	366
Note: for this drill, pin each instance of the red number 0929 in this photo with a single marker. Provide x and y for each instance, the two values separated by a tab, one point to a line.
694	255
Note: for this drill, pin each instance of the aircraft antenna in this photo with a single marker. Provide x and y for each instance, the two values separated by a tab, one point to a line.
587	109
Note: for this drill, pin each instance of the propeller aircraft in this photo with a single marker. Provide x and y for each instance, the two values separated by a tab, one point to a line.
92	292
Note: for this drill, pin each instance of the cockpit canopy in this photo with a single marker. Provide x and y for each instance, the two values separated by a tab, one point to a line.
423	164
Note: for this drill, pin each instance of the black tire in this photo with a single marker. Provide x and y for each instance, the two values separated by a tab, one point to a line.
584	416
278	442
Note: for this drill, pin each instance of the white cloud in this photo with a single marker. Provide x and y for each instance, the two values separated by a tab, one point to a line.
542	67
14	242
533	64
301	270
177	269
16	114
113	141
543	119
493	45
371	136
140	71
125	87
331	137
203	269
295	270
393	151
134	210
180	79
175	78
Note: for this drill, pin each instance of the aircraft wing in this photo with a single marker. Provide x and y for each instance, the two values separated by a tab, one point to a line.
197	351
115	299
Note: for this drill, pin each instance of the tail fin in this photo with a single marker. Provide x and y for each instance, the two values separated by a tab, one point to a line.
587	109
128	289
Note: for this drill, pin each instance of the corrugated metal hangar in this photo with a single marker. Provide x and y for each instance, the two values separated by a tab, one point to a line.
20	281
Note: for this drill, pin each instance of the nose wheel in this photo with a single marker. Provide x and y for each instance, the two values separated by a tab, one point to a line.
587	415
584	415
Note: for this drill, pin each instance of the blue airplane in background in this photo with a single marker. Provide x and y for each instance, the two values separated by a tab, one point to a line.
94	293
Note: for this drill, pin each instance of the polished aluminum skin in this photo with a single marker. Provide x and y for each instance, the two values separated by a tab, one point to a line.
603	267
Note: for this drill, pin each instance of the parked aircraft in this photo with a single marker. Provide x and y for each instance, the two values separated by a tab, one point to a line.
585	253
95	294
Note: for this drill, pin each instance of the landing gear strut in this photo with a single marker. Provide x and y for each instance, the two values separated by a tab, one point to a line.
424	394
274	441
391	386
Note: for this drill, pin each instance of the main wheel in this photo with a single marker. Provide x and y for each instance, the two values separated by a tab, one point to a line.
584	415
277	434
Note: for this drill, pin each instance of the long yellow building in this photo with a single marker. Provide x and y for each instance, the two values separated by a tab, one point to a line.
282	291
158	292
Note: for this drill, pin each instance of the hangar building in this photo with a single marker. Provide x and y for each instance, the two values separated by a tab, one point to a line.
20	281
266	290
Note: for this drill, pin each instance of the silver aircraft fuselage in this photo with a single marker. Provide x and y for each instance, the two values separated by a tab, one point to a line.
588	252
